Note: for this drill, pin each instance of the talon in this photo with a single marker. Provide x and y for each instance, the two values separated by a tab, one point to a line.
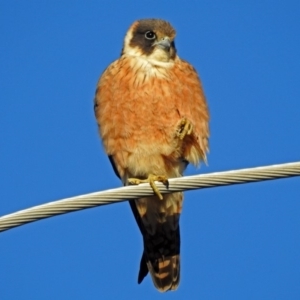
151	180
184	128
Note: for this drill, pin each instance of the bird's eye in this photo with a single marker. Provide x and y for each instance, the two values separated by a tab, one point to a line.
150	35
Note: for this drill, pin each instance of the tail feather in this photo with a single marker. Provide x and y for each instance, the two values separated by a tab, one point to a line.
162	257
158	221
166	274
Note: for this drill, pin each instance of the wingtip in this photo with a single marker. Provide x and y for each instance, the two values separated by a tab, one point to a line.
143	269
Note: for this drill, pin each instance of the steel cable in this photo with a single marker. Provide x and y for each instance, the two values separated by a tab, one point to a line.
132	192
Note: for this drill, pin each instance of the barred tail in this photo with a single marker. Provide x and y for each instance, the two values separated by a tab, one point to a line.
161	258
166	274
158	221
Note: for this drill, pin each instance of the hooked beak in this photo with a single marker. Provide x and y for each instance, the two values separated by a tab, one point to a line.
164	44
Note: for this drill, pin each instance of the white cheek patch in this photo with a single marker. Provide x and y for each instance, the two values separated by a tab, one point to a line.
128	38
135	52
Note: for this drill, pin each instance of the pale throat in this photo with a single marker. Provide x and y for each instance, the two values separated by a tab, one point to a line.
156	64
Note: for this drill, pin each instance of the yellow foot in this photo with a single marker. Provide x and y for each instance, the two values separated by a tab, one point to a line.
151	178
184	128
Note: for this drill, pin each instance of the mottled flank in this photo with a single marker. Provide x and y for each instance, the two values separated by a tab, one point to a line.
140	104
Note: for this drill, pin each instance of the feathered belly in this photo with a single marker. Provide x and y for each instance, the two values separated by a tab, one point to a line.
138	124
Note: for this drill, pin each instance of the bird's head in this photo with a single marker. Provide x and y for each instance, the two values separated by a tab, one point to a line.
151	39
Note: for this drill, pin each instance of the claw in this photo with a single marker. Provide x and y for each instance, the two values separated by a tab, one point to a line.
184	127
151	180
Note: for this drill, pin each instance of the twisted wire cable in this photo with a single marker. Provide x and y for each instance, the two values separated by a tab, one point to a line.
137	191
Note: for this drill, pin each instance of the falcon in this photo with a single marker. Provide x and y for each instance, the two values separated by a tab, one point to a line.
153	121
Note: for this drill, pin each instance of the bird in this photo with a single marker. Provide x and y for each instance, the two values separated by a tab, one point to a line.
153	120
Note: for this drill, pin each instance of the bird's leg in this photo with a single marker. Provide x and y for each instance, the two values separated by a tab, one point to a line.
184	127
151	180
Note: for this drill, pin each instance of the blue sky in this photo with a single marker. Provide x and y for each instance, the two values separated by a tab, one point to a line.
238	242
